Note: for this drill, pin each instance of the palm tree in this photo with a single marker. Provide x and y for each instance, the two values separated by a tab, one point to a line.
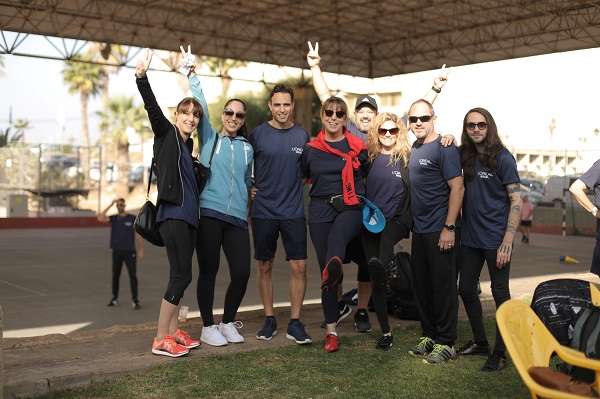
6	138
84	78
122	114
2	73
20	126
221	67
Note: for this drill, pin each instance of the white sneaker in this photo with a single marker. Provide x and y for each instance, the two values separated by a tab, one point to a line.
212	336
230	333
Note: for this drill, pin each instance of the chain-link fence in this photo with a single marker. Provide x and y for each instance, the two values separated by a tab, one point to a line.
47	180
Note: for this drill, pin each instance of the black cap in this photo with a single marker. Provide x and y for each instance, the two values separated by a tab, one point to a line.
366	100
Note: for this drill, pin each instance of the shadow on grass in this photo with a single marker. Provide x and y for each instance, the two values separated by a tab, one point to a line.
357	370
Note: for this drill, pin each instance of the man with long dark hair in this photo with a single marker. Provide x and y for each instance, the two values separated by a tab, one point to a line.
491	213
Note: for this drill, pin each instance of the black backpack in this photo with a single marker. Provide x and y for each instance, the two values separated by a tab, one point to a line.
585	339
559	304
400	296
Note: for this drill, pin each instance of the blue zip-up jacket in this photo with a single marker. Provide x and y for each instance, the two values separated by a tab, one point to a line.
226	190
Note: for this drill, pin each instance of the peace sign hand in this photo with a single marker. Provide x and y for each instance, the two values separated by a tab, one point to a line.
313	56
442	78
186	63
141	67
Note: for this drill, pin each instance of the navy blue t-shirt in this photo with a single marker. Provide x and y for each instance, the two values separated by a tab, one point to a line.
385	187
591	178
431	165
486	204
122	235
277	174
325	172
189	211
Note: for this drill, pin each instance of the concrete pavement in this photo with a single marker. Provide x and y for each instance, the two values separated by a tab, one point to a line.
59	333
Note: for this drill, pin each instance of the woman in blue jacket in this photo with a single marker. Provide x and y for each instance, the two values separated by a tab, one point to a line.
223	215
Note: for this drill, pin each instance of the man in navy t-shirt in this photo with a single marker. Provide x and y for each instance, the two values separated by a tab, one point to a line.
590	179
278	207
491	213
436	189
122	243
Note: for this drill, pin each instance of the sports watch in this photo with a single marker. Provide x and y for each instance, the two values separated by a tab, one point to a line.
450	227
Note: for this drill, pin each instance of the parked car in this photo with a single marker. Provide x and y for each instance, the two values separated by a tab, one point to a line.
534	197
535	185
558	194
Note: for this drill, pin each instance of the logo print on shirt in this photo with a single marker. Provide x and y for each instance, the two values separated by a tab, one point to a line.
485	175
424	161
298	150
397	174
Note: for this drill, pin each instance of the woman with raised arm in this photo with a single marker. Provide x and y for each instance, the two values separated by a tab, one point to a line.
224	218
177	203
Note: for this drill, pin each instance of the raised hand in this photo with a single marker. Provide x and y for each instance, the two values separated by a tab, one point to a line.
442	77
186	63
313	56
143	64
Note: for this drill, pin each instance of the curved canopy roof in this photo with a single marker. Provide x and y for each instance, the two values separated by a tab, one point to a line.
361	38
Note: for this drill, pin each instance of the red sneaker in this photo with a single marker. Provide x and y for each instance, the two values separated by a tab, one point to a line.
168	347
331	343
331	274
183	339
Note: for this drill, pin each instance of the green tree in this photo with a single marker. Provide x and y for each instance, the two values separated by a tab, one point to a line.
84	78
221	67
21	125
122	114
6	138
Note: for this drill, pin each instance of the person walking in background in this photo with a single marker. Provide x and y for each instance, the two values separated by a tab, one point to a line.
526	219
591	180
177	203
490	215
122	242
223	211
436	191
335	163
278	207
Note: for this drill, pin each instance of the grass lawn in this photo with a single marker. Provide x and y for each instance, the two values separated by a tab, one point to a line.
357	370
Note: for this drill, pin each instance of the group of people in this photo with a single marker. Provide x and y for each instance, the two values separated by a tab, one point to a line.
462	204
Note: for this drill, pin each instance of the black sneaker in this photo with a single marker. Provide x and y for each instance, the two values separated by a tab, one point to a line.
135	305
113	302
471	348
361	321
331	274
296	332
494	363
378	273
385	342
268	330
344	312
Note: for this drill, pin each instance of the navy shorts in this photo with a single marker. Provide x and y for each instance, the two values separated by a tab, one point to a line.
265	233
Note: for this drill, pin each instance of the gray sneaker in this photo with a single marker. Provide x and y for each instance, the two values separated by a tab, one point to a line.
440	355
423	347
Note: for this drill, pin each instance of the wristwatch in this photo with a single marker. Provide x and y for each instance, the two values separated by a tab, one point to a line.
450	227
594	211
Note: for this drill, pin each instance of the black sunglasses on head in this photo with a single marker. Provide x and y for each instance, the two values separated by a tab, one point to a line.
339	114
230	113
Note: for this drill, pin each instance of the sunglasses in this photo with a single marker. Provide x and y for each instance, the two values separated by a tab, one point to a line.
393	131
424	118
339	114
230	113
480	125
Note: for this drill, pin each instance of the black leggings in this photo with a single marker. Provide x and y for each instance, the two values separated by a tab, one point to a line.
212	235
381	245
179	238
129	258
330	239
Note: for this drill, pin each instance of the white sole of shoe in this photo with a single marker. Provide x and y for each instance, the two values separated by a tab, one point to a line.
165	353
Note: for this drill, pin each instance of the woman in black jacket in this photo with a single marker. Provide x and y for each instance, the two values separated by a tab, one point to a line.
177	206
